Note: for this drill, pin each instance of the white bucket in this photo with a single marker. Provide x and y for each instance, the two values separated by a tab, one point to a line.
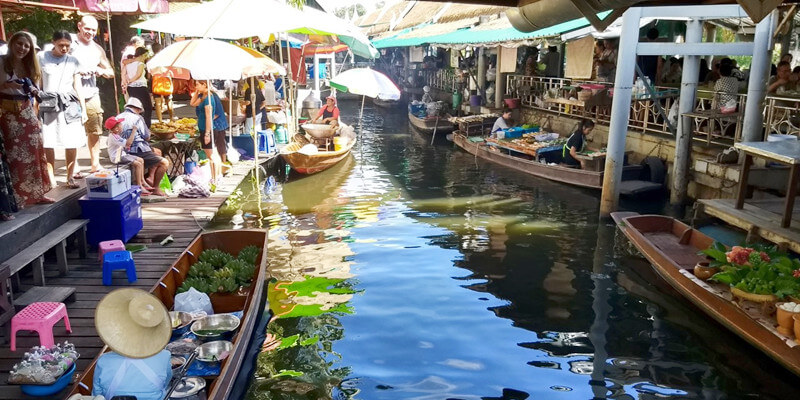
780	137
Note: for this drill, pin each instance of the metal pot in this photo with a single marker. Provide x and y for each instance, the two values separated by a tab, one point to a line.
312	101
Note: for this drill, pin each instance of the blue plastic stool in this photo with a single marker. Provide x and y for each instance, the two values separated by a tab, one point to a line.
116	260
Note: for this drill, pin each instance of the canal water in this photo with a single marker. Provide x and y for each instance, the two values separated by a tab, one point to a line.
412	271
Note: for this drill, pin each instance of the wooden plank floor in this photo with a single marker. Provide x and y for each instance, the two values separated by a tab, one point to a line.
762	217
181	218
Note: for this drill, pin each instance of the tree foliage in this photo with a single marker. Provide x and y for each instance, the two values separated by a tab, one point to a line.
41	23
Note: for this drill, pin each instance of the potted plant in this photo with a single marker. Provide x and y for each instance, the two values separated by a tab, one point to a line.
223	277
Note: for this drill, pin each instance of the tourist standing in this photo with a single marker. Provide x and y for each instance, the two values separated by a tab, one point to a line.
23	170
607	62
136	78
210	121
93	63
62	110
552	60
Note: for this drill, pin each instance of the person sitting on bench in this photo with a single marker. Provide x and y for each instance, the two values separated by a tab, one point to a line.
116	153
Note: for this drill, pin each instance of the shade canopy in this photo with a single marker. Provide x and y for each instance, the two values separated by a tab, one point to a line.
366	82
237	19
203	59
117	6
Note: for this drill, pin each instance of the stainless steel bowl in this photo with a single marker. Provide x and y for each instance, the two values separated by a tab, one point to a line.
179	319
215	351
319	131
215	327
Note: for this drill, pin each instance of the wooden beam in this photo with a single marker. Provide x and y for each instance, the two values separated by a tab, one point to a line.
758	9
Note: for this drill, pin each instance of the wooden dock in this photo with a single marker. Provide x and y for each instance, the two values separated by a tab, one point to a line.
179	217
760	218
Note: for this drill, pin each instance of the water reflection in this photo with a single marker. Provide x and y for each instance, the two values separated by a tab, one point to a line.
417	272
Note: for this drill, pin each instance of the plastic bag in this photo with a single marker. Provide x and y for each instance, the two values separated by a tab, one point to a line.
164	184
192	300
233	154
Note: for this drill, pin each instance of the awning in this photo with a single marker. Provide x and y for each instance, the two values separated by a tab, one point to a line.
117	6
495	33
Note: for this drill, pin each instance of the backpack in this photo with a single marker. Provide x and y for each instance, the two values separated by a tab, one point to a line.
162	85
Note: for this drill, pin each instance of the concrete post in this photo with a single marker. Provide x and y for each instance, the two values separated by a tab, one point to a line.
499	82
683	140
482	74
753	125
316	74
620	109
710	35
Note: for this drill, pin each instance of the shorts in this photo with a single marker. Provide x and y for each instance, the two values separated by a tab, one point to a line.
127	159
94	125
150	158
219	142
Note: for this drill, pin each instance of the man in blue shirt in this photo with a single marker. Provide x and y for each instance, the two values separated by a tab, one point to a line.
211	121
133	124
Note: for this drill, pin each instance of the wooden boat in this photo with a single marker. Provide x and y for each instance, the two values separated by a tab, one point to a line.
442	124
230	241
572	176
671	246
322	159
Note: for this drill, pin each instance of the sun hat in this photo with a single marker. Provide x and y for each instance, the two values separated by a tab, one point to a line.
111	122
332	98
133	323
134	102
426	89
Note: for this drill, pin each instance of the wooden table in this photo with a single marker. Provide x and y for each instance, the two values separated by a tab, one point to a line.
786	152
595	161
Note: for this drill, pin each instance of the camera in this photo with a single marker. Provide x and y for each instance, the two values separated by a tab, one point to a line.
26	84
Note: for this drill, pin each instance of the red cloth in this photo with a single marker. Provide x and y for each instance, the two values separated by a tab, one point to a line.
299	73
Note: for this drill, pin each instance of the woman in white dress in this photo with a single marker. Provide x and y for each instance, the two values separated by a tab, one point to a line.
63	125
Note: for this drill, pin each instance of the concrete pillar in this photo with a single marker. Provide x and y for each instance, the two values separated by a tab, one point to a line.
316	74
683	139
620	109
499	82
710	35
482	75
753	124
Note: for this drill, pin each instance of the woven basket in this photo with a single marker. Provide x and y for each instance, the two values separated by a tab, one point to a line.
584	95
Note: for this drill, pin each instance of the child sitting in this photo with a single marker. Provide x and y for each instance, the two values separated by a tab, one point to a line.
116	152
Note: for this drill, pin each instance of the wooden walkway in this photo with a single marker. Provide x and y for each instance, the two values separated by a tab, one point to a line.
179	217
760	218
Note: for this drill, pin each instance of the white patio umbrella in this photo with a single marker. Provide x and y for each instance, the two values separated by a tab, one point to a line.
237	19
368	83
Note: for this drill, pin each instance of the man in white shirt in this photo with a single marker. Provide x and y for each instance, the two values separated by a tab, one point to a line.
93	62
502	121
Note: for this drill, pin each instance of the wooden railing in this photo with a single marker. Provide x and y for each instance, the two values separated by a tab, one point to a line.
781	115
441	79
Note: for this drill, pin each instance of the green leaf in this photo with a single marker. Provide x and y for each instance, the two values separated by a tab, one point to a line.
289	341
724	277
312	340
288	372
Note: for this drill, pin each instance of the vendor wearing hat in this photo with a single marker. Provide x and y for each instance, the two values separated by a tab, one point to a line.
136	327
426	94
117	152
133	125
329	113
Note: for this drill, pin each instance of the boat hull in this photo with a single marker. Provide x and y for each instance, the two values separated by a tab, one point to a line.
312	163
387	103
650	234
572	176
428	125
230	241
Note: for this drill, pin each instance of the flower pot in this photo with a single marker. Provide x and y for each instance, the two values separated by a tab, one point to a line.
703	271
227	302
785	320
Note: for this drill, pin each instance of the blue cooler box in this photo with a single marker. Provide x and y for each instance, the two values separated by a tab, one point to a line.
115	218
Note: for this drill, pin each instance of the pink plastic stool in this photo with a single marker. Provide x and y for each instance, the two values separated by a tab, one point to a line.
39	317
108	246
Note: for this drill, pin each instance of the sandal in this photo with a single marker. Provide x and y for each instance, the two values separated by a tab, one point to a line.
46	200
72	185
6	216
78	175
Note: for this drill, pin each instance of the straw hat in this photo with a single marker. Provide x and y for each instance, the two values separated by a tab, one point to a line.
134	102
133	323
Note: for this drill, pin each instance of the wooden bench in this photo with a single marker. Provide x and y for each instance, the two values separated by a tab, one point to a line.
42	294
6	309
714	118
35	252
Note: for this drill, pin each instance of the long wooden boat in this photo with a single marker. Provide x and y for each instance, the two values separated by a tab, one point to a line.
441	124
323	159
671	247
230	241
572	176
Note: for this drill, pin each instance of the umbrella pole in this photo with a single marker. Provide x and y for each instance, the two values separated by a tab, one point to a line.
213	147
230	113
111	60
436	125
253	120
287	87
361	130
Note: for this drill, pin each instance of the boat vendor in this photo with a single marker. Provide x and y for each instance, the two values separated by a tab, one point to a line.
329	113
503	121
577	143
136	327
